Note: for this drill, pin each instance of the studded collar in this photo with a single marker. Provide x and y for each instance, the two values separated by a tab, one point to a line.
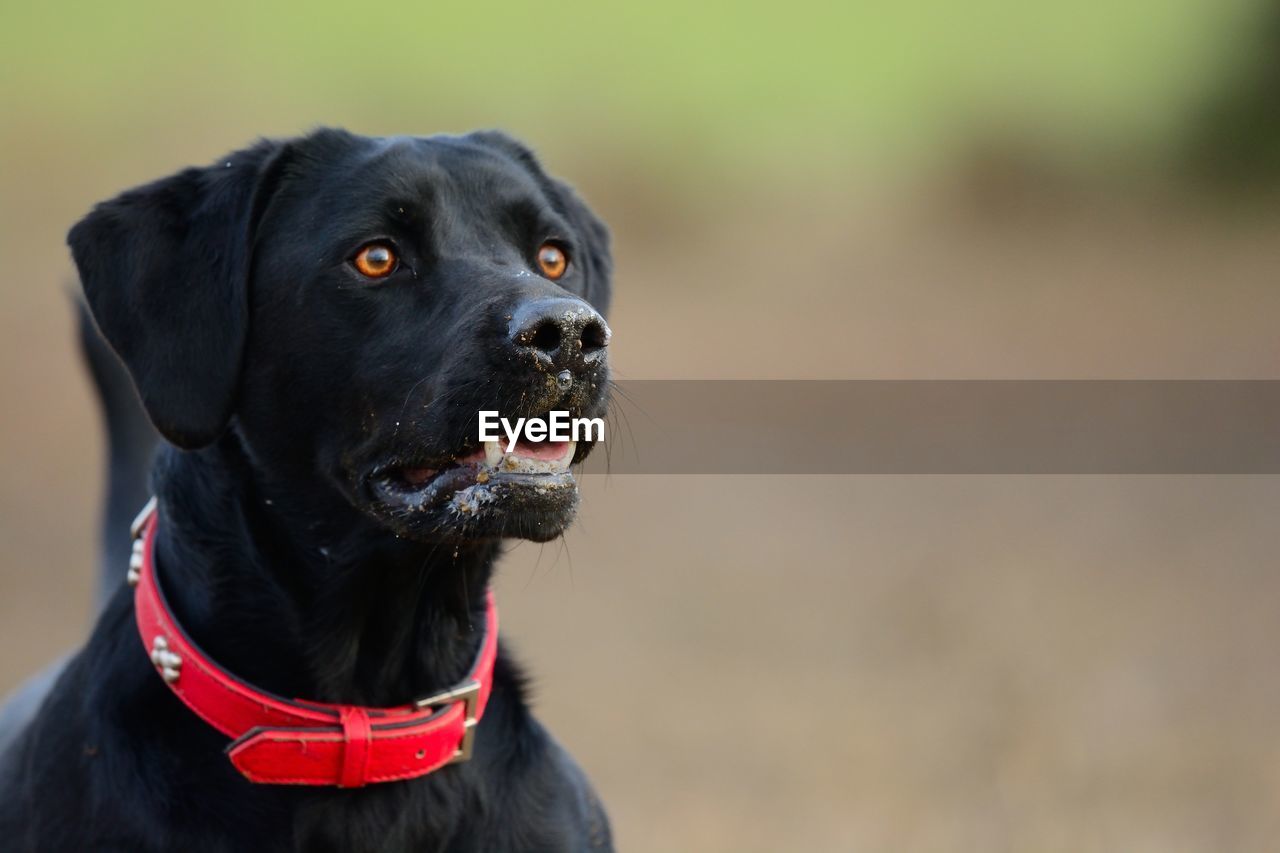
296	742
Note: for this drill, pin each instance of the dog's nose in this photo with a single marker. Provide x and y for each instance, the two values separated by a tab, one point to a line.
560	332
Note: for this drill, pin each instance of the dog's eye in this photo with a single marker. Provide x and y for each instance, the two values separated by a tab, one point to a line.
376	260
552	260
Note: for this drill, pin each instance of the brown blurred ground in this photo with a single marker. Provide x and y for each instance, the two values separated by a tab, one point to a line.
835	663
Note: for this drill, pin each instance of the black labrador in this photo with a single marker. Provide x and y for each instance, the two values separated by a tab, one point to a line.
313	325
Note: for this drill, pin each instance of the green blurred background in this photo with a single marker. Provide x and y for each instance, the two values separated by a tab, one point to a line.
990	189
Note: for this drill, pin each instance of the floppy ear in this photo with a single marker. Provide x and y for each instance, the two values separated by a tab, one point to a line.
165	270
595	234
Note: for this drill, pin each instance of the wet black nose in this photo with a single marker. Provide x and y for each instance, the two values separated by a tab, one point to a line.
560	332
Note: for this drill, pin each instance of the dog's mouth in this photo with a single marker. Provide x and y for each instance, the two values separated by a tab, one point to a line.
492	460
527	490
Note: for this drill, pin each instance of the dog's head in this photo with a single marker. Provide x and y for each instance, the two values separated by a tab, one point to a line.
348	305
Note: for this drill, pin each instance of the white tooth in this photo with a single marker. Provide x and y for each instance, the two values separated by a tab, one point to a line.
493	453
562	464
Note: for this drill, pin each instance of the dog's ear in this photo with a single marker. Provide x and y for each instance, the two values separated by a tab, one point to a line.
165	270
598	261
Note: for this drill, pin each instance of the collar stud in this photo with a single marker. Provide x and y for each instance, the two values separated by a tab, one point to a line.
169	663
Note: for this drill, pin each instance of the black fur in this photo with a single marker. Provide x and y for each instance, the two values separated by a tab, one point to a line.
297	388
131	446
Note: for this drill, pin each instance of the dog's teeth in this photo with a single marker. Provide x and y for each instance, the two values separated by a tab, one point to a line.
562	464
499	460
493	453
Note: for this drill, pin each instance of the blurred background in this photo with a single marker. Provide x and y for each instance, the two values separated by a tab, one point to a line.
916	190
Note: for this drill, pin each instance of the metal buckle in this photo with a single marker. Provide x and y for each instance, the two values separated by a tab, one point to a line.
469	694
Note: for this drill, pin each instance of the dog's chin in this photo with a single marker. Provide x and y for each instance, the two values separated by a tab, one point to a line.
528	493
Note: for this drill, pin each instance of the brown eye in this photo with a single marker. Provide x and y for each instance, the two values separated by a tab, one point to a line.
376	260
552	261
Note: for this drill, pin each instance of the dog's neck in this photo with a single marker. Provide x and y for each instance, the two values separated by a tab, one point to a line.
301	595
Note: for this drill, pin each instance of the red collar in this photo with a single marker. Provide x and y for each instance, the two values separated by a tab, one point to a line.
285	742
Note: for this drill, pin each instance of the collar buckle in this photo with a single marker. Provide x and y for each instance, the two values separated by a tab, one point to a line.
468	692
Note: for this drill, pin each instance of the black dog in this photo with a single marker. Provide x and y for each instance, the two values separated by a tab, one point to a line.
313	325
